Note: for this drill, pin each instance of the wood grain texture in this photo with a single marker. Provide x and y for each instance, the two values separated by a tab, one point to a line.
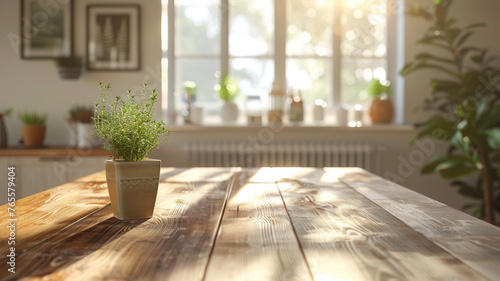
251	224
178	175
475	242
256	239
345	236
173	245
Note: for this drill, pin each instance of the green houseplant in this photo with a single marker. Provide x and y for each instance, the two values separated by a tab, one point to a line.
129	130
69	67
34	127
228	91
381	107
81	127
465	102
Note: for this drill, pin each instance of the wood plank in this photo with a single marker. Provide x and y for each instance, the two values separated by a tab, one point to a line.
44	214
256	240
168	174
474	242
173	245
345	236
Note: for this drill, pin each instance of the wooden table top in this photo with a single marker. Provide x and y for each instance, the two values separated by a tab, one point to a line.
250	224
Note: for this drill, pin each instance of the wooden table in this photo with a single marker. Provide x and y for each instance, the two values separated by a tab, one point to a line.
251	224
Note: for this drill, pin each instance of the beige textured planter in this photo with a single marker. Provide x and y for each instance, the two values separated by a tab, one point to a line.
132	187
33	135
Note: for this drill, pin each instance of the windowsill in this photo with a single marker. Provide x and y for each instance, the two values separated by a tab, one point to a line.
214	124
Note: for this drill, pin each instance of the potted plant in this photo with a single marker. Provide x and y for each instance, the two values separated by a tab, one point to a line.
3	130
129	130
381	107
465	102
228	90
69	67
81	127
190	88
33	128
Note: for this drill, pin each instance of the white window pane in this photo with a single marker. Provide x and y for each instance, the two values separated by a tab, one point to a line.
200	71
313	77
252	73
356	75
197	27
251	27
309	28
364	28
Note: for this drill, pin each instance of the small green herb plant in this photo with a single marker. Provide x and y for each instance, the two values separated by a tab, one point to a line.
227	88
82	113
379	89
33	118
127	125
6	112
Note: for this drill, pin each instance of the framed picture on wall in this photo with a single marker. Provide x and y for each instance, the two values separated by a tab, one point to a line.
46	29
113	37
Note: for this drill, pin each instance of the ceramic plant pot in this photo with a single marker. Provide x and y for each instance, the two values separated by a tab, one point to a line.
132	187
229	112
33	135
381	111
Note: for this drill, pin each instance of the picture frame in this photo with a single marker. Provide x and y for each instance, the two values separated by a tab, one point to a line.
113	37
46	29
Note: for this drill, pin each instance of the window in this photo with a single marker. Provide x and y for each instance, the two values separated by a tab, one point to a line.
326	49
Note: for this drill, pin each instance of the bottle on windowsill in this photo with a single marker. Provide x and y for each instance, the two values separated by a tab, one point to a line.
276	104
296	113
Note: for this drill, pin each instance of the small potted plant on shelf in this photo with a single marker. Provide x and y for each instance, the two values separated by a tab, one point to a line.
69	67
381	108
190	88
34	127
81	127
228	90
129	130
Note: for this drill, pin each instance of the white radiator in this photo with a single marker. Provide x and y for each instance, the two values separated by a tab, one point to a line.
282	154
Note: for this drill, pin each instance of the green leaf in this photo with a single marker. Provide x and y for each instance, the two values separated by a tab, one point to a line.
427	56
452	34
493	138
460	142
464	52
468	190
481	108
452	170
474	25
489	118
463	38
444	158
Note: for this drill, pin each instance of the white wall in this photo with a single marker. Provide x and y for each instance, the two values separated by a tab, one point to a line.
34	84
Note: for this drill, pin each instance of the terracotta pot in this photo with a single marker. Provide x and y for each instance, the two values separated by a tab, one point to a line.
132	187
33	135
381	111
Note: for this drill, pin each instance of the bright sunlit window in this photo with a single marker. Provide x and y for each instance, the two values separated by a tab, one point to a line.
326	49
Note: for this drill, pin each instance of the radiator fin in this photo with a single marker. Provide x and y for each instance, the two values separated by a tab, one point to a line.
281	154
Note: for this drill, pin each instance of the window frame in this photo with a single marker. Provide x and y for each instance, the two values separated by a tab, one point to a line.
394	57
